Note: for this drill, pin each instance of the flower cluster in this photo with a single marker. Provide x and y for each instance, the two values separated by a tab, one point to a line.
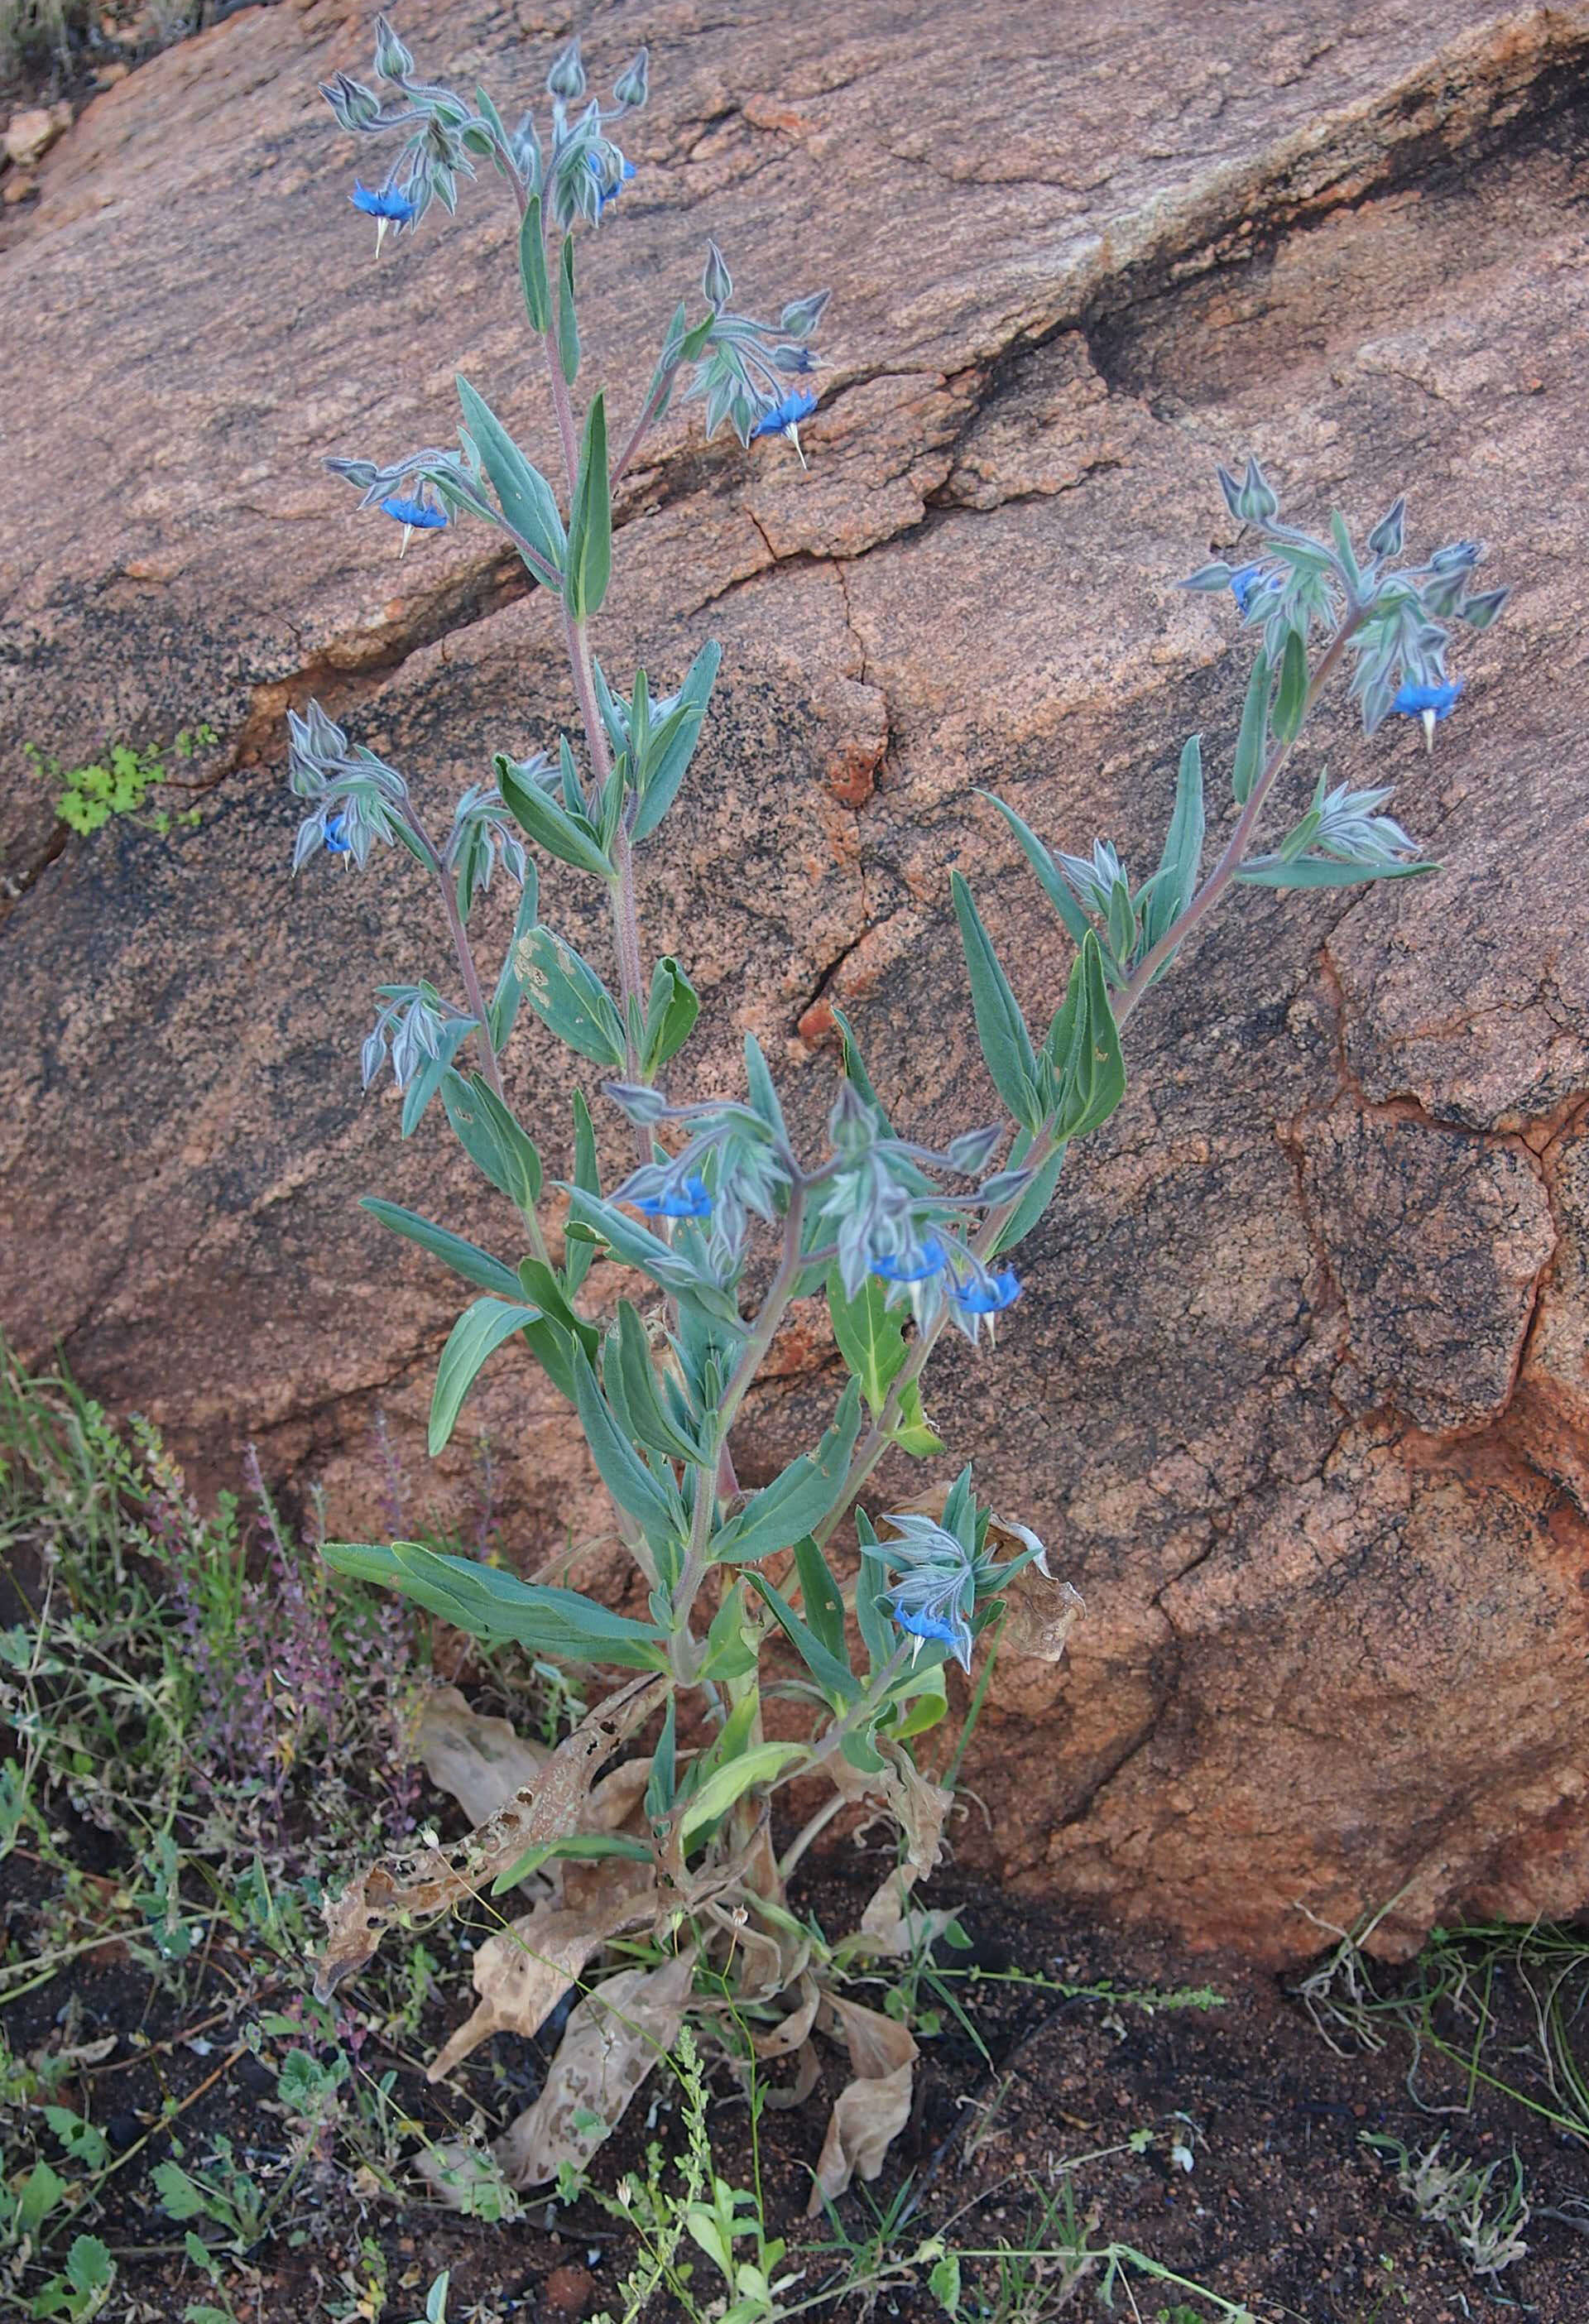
1399	643
944	1567
746	372
356	799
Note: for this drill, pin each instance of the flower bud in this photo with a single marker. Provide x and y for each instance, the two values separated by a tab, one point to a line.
1385	539
566	77
800	317
632	87
1479	611
392	61
355	106
716	282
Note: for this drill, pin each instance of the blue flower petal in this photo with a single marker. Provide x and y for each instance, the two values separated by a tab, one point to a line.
336	844
382	202
690	1201
896	1267
417	514
797	405
988	1299
1413	700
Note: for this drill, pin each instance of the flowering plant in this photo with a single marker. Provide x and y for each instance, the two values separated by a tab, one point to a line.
656	1354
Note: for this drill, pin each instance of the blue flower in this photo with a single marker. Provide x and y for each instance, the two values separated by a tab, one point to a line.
1429	703
784	418
937	1586
610	193
337	844
690	1201
415	516
900	1267
923	1623
988	1296
1414	701
384	203
1244	582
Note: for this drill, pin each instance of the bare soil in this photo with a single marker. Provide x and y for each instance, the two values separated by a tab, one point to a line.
1284	2206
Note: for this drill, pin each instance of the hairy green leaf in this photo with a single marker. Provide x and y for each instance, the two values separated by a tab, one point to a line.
465	1259
1000	1026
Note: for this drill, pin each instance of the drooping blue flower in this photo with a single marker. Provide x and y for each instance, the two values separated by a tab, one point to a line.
1414	701
383	202
923	1623
1429	703
934	1593
911	1267
337	844
1243	581
610	193
415	516
690	1201
989	1296
784	418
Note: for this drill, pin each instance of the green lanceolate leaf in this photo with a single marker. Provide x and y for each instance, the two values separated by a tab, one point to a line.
571	1000
1183	843
760	1089
656	1508
590	523
911	1430
871	1336
567	319
671	746
760	1765
1000	1026
490	1604
821	1598
1082	1051
1290	701
546	1289
662	1783
465	1259
731	1642
577	1257
572	838
493	1139
653	1425
1254	733
532	268
503	1011
1348	555
1318	871
1037	1196
670	1017
798	1500
835	1677
631	1243
526	498
878	1633
1050	879
479	1331
578	1847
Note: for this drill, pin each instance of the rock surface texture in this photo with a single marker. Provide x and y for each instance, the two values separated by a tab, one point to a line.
1300	1383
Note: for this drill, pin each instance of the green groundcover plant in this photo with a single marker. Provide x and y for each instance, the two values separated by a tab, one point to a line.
655	1889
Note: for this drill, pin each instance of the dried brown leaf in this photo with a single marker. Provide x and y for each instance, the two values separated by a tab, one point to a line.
919	1807
418	1885
872	2108
482	1762
1041	1615
523	1972
866	2117
614	2038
